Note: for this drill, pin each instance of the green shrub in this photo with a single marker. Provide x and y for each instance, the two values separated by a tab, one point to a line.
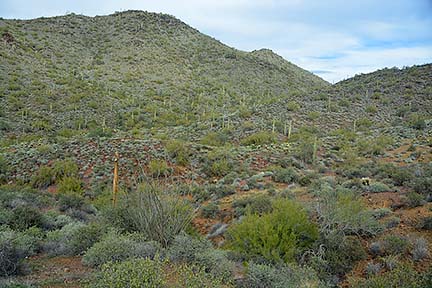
278	235
371	109
259	138
401	176
218	163
194	276
135	273
293	106
44	177
214	139
15	247
426	223
341	210
285	175
47	176
52	220
210	210
112	248
395	245
85	236
65	168
414	199
261	275
184	248
402	276
220	191
417	121
198	251
70	185
24	217
423	185
4	168
158	213
378	187
70	201
216	263
336	254
58	242
259	204
159	168
178	150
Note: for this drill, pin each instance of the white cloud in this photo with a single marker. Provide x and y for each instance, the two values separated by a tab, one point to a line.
368	60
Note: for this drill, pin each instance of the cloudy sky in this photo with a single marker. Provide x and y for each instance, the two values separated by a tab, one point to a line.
335	39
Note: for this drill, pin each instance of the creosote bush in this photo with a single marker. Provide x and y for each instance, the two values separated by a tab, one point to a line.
276	236
135	273
285	175
178	150
259	138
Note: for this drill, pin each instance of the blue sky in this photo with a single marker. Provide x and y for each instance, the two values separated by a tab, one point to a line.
335	39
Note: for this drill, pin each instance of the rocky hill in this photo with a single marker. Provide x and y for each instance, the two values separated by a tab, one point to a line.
132	70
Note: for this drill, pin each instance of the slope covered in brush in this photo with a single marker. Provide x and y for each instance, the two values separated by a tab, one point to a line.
131	70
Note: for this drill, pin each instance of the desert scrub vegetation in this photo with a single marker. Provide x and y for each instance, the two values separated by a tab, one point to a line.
342	210
401	276
157	213
282	275
279	235
48	175
259	138
218	163
159	168
133	273
179	151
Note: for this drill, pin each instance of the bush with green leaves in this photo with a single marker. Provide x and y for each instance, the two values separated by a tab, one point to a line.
340	209
220	191
159	168
70	185
259	138
179	151
285	175
378	187
134	273
395	244
218	163
70	201
276	236
48	175
420	249
414	199
258	204
210	210
4	169
184	248
335	254
53	220
422	185
157	213
402	276
114	247
263	275
293	106
59	242
24	217
215	139
15	247
426	223
200	252
195	276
